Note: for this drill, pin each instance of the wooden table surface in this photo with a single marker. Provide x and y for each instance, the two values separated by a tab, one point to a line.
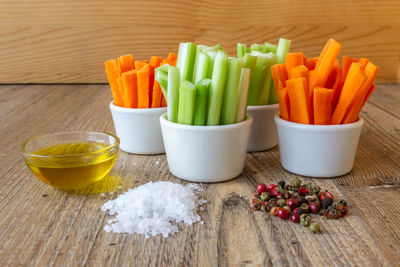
41	226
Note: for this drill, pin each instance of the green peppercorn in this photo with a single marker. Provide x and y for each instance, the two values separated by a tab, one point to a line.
338	203
296	183
312	198
281	202
305	219
315	228
287	208
305	207
264	196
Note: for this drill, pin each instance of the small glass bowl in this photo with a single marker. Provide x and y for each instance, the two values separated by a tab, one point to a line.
71	160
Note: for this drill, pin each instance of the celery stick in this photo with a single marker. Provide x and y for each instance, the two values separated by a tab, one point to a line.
258	47
282	50
212	53
161	76
266	90
200	111
249	61
187	98
244	83
240	50
229	105
217	88
270	47
201	67
185	61
263	64
173	93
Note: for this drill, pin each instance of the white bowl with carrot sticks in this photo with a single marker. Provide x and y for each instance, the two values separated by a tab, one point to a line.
138	102
319	102
318	150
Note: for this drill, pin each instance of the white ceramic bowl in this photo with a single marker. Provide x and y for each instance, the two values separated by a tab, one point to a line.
263	132
206	154
138	129
318	150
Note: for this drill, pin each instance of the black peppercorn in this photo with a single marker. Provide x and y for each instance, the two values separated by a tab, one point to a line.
281	184
326	202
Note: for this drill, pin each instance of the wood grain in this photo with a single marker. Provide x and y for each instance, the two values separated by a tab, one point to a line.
43	41
42	226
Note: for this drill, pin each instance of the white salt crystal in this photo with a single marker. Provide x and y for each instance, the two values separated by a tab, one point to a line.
103	195
154	208
157	162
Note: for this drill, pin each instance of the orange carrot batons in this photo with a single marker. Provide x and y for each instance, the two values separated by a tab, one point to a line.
163	102
322	105
362	95
112	75
278	74
172	58
143	87
300	106
354	80
311	62
125	63
157	95
139	65
155	61
129	81
121	89
346	63
293	60
298	72
284	103
325	63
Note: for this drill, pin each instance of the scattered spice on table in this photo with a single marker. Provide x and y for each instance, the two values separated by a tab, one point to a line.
297	200
154	208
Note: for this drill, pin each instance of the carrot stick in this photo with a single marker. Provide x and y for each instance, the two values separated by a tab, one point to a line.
298	72
157	94
121	89
125	63
133	62
143	87
130	93
155	61
163	102
325	63
300	106
151	83
139	65
311	62
293	60
333	75
337	89
362	95
354	80
284	103
346	63
172	58
363	62
113	73
322	105
278	75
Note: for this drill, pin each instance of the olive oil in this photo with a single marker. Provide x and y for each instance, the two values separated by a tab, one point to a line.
72	165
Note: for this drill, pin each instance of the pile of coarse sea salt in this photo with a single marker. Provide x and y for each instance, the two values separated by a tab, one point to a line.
154	208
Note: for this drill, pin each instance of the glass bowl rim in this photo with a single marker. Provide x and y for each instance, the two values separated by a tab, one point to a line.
116	144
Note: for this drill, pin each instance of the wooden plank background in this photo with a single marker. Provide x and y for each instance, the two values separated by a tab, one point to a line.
67	41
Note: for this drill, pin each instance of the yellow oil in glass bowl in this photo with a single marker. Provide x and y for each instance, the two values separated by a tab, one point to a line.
71	160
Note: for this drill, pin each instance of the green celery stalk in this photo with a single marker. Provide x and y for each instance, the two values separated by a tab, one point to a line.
161	76
263	64
229	105
201	67
249	61
186	60
240	50
266	90
200	111
217	88
212	53
243	88
270	47
187	98
173	93
258	47
282	50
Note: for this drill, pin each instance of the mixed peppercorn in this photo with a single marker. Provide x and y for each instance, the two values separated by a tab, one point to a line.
296	201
